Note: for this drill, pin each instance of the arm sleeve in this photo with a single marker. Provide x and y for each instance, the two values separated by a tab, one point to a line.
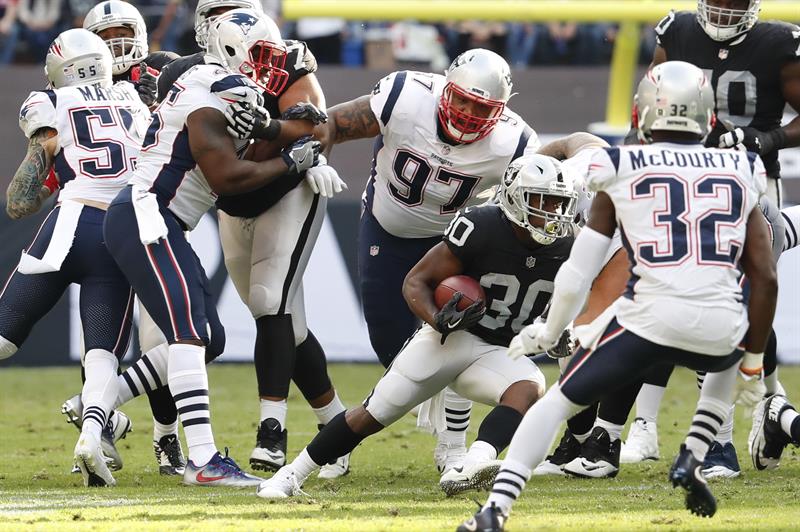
384	97
37	111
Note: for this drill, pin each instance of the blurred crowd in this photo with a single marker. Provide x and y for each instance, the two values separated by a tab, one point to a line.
28	26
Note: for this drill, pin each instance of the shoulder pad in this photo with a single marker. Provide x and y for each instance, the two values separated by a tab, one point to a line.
237	88
38	111
785	39
603	168
299	59
385	95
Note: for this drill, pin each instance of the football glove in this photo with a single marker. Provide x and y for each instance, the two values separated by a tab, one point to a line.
564	347
248	121
531	340
751	139
324	180
450	319
302	154
305	111
750	387
146	85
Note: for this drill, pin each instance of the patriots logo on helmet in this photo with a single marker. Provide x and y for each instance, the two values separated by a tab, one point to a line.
244	21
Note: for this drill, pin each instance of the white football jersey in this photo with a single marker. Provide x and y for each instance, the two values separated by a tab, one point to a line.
99	134
166	165
682	212
418	181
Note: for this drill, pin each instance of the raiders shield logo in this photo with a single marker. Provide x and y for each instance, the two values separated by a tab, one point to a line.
723	53
530	262
374	250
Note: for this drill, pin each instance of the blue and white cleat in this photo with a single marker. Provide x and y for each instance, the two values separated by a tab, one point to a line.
219	471
89	458
118	426
721	462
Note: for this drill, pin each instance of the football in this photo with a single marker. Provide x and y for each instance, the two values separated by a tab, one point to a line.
468	286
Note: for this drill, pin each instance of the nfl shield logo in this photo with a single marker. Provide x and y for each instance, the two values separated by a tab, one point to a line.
374	250
723	53
445	149
530	262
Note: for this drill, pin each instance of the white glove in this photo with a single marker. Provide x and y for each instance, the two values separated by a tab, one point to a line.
531	340
750	387
324	180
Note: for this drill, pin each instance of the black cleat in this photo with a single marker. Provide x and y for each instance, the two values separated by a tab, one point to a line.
269	453
767	439
489	519
169	455
568	449
687	472
599	457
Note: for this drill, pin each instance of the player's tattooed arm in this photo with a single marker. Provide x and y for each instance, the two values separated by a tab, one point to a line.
26	192
568	146
349	121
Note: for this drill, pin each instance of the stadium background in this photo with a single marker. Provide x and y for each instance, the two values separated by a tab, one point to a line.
564	75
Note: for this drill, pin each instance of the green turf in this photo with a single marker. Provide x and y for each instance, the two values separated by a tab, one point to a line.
393	484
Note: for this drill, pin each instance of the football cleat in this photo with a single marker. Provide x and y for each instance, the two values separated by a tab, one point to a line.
767	439
489	519
117	427
474	477
686	472
721	461
92	463
219	471
599	457
447	456
283	484
642	443
73	409
169	455
568	449
269	453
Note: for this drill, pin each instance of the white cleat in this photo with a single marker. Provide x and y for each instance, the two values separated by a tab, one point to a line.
339	468
472	477
448	456
89	458
282	485
642	443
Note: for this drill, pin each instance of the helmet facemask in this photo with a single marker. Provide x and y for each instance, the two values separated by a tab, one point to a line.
126	52
723	24
461	126
266	66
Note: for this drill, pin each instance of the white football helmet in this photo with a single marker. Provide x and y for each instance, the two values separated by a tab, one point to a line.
78	57
482	77
674	96
723	24
250	43
203	19
527	182
126	52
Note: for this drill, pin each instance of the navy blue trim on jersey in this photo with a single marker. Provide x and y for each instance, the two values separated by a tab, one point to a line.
171	175
107	8
751	158
523	142
300	245
613	154
229	82
63	169
52	96
394	94
630	288
369	191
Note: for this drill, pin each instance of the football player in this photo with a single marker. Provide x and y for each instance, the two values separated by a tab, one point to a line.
513	248
187	158
267	236
683	305
82	113
440	141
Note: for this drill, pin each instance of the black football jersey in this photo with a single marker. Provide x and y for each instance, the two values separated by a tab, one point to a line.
516	277
745	73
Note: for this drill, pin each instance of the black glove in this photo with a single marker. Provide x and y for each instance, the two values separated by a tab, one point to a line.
305	111
449	319
565	346
302	154
760	142
146	86
246	121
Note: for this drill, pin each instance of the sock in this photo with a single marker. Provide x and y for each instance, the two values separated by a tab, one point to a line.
274	409
708	417
100	389
582	423
508	484
649	401
499	426
160	429
329	411
146	374
457	411
334	440
304	465
479	452
725	434
188	382
790	423
582	437
773	385
614	430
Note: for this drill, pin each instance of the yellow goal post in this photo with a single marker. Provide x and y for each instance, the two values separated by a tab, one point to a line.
630	14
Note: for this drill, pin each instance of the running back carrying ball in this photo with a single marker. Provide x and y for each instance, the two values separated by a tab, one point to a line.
470	289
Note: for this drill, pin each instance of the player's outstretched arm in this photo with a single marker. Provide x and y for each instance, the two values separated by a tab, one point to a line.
437	265
568	146
26	192
348	121
761	272
213	150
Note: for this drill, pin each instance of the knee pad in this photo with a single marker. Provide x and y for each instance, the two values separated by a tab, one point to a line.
7	348
264	298
393	396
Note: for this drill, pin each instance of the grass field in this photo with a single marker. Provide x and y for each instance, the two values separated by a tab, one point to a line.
393	484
